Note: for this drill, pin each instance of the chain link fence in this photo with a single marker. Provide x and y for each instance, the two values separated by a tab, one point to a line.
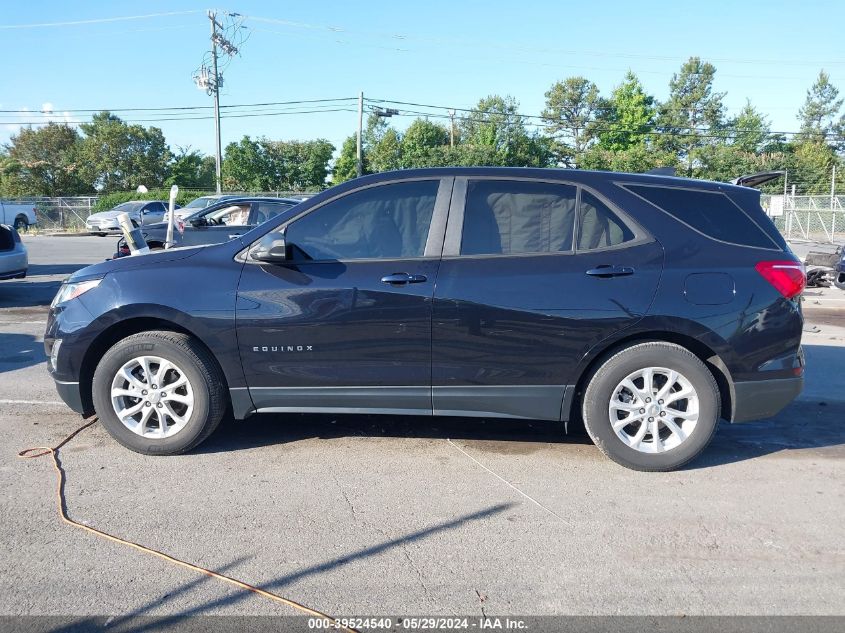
812	218
68	213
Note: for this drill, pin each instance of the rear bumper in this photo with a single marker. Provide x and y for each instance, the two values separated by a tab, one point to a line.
71	395
764	398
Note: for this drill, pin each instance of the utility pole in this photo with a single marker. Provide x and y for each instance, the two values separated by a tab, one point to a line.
209	79
359	164
216	87
452	128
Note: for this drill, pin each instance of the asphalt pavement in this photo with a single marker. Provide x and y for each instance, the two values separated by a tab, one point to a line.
357	515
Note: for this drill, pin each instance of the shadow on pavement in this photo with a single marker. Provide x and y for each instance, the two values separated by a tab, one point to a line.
135	621
19	350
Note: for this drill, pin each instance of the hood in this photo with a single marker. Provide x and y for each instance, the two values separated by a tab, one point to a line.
111	215
133	261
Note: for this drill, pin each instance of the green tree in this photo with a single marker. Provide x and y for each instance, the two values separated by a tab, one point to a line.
297	165
246	167
190	169
572	106
424	144
495	133
115	156
813	162
45	162
386	153
693	115
820	108
627	119
345	167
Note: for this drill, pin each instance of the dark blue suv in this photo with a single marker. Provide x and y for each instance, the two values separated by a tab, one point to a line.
651	307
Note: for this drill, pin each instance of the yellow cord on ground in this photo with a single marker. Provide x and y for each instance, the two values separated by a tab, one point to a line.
61	503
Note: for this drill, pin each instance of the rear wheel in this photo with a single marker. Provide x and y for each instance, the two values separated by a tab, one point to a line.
159	393
20	223
652	406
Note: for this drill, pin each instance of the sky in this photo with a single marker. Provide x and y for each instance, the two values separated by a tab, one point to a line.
440	53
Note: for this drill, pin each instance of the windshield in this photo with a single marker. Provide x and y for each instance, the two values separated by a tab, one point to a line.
199	203
128	207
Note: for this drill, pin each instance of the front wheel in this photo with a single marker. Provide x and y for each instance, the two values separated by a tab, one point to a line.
159	393
652	407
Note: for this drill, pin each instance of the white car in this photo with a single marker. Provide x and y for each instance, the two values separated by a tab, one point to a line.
140	212
198	204
13	257
18	215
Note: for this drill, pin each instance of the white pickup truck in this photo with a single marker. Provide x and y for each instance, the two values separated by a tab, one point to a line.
20	216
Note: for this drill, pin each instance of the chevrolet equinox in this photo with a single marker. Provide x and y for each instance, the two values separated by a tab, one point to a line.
648	306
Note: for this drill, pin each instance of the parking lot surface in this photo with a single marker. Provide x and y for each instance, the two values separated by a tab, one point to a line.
381	515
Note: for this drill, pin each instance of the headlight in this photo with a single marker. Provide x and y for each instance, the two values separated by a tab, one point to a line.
74	290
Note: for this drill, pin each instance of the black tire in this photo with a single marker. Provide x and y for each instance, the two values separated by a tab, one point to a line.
604	381
205	376
21	224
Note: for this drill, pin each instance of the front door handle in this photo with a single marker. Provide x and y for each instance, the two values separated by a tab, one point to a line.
234	235
606	271
403	278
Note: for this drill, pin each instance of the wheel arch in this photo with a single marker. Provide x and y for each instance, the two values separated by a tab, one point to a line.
118	331
705	352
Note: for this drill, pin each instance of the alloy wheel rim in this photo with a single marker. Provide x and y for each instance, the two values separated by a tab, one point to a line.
152	397
654	409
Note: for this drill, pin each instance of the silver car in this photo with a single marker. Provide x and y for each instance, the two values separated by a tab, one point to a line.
140	212
13	257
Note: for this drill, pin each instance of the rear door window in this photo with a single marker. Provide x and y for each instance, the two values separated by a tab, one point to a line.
709	212
511	217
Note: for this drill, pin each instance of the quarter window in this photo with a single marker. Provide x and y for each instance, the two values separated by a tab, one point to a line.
508	217
598	226
384	222
709	212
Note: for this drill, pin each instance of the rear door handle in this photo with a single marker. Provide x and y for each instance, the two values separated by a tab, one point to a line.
610	271
403	278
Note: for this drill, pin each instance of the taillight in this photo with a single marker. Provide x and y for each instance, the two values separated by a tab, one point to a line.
786	276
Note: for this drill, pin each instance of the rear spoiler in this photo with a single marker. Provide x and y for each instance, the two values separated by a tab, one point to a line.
755	180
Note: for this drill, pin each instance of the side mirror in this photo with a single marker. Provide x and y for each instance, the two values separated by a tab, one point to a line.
271	249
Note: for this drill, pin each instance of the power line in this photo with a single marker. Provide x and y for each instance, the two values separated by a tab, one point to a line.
163	108
187	118
96	20
510	47
588	122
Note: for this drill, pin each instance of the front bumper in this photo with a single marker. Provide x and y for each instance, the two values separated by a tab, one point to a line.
755	400
13	274
71	395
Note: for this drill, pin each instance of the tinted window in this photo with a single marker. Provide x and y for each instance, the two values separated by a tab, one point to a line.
598	226
504	217
154	207
712	213
389	221
267	210
232	215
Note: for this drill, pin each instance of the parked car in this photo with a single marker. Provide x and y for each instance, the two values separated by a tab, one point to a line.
20	216
197	204
219	222
140	211
839	273
649	306
13	256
